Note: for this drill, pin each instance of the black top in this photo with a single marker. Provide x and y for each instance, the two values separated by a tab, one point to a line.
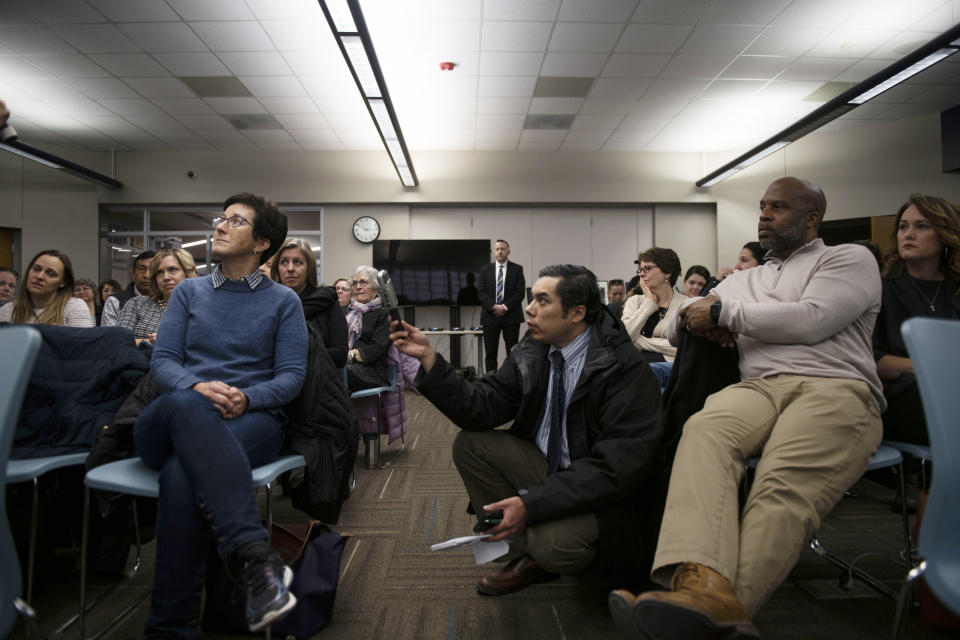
905	297
321	303
653	321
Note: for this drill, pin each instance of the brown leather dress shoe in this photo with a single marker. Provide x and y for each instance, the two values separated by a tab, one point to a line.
700	606
517	574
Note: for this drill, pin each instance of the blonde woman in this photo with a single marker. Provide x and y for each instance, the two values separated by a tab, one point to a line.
47	295
168	268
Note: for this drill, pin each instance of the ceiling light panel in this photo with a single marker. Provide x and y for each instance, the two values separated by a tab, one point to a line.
353	45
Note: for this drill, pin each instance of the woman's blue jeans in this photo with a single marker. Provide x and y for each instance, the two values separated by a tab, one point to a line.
205	488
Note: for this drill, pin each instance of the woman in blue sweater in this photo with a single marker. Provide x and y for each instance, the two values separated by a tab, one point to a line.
230	352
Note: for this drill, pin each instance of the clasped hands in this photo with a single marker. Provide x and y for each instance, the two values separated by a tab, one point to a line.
499	310
696	317
230	401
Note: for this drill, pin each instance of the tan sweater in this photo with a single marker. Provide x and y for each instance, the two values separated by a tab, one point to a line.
637	310
810	315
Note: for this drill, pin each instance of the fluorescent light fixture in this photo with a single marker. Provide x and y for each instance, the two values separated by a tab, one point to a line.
357	48
912	70
316	248
941	47
61	164
187	245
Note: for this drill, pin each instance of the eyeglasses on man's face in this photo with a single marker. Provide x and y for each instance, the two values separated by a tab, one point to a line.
234	222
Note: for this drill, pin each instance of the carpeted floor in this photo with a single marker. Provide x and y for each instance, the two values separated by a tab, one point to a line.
393	586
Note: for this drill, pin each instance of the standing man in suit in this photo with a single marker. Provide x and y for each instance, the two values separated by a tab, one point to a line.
501	297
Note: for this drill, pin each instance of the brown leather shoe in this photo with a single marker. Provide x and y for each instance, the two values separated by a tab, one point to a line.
517	574
700	606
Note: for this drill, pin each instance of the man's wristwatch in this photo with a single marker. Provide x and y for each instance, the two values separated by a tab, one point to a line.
715	312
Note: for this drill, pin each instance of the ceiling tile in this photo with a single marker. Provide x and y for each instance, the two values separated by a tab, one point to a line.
494	63
732	89
310	63
306	120
211	9
581	146
787	91
850	43
490	135
503	105
78	107
279	146
216	86
538	146
456	35
348	103
670	88
556	105
607	106
26	40
495	146
157	124
103	88
313	135
174	37
719	40
96	38
653	38
235	146
333	145
940	73
15	67
262	63
183	106
267	135
946	95
338	85
584	37
527	10
289	105
543	135
908	110
597	10
160	87
758	12
111	125
64	12
233	36
235	105
506	87
273	85
860	71
562	86
286	9
192	64
902	44
499	121
49	88
450	9
588	135
644	123
126	65
817	13
602	122
619	87
449	85
131	107
304	35
204	123
658	106
820	69
671	12
682	66
573	64
515	36
67	65
939	20
786	41
134	10
756	67
222	135
635	65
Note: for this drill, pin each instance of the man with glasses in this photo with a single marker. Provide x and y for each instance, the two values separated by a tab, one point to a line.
139	286
501	289
808	405
230	353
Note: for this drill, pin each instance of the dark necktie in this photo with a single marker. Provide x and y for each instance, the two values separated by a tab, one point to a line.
499	284
557	401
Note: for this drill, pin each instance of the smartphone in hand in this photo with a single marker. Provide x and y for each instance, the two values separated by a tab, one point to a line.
488	520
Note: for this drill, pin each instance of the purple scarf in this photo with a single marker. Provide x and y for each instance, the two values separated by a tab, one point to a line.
355	318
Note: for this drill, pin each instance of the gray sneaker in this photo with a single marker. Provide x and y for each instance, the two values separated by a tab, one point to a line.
267	579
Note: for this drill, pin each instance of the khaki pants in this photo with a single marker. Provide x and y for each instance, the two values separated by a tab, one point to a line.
494	465
815	437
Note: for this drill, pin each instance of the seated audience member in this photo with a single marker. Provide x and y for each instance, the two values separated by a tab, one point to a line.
570	473
46	296
616	294
139	286
874	248
296	267
107	288
694	280
8	285
343	288
83	289
921	278
230	353
141	315
368	330
653	305
808	405
267	268
750	256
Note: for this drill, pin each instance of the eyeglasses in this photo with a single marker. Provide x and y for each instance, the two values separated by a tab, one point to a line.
360	283
647	269
234	222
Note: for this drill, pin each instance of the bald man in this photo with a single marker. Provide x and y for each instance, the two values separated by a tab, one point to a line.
808	405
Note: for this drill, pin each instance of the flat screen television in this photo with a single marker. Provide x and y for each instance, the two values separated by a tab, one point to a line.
433	272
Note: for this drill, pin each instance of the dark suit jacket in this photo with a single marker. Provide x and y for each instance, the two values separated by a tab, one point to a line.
514	288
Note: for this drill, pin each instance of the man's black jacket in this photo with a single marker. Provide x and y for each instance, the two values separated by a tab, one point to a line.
613	432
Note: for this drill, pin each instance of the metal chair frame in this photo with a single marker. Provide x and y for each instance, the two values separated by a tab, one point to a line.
371	441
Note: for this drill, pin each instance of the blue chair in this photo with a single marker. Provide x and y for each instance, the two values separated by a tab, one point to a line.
18	351
132	477
934	348
371	441
920	451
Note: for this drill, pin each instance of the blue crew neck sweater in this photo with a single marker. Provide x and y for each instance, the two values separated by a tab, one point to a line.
252	339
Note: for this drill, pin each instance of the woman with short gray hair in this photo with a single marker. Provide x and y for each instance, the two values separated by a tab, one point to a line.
368	330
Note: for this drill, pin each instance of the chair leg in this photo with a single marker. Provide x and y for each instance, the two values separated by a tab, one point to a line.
905	590
84	537
32	553
25	611
907	544
853	570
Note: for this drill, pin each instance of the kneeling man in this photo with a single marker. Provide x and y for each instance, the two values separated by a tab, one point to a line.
808	405
570	472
